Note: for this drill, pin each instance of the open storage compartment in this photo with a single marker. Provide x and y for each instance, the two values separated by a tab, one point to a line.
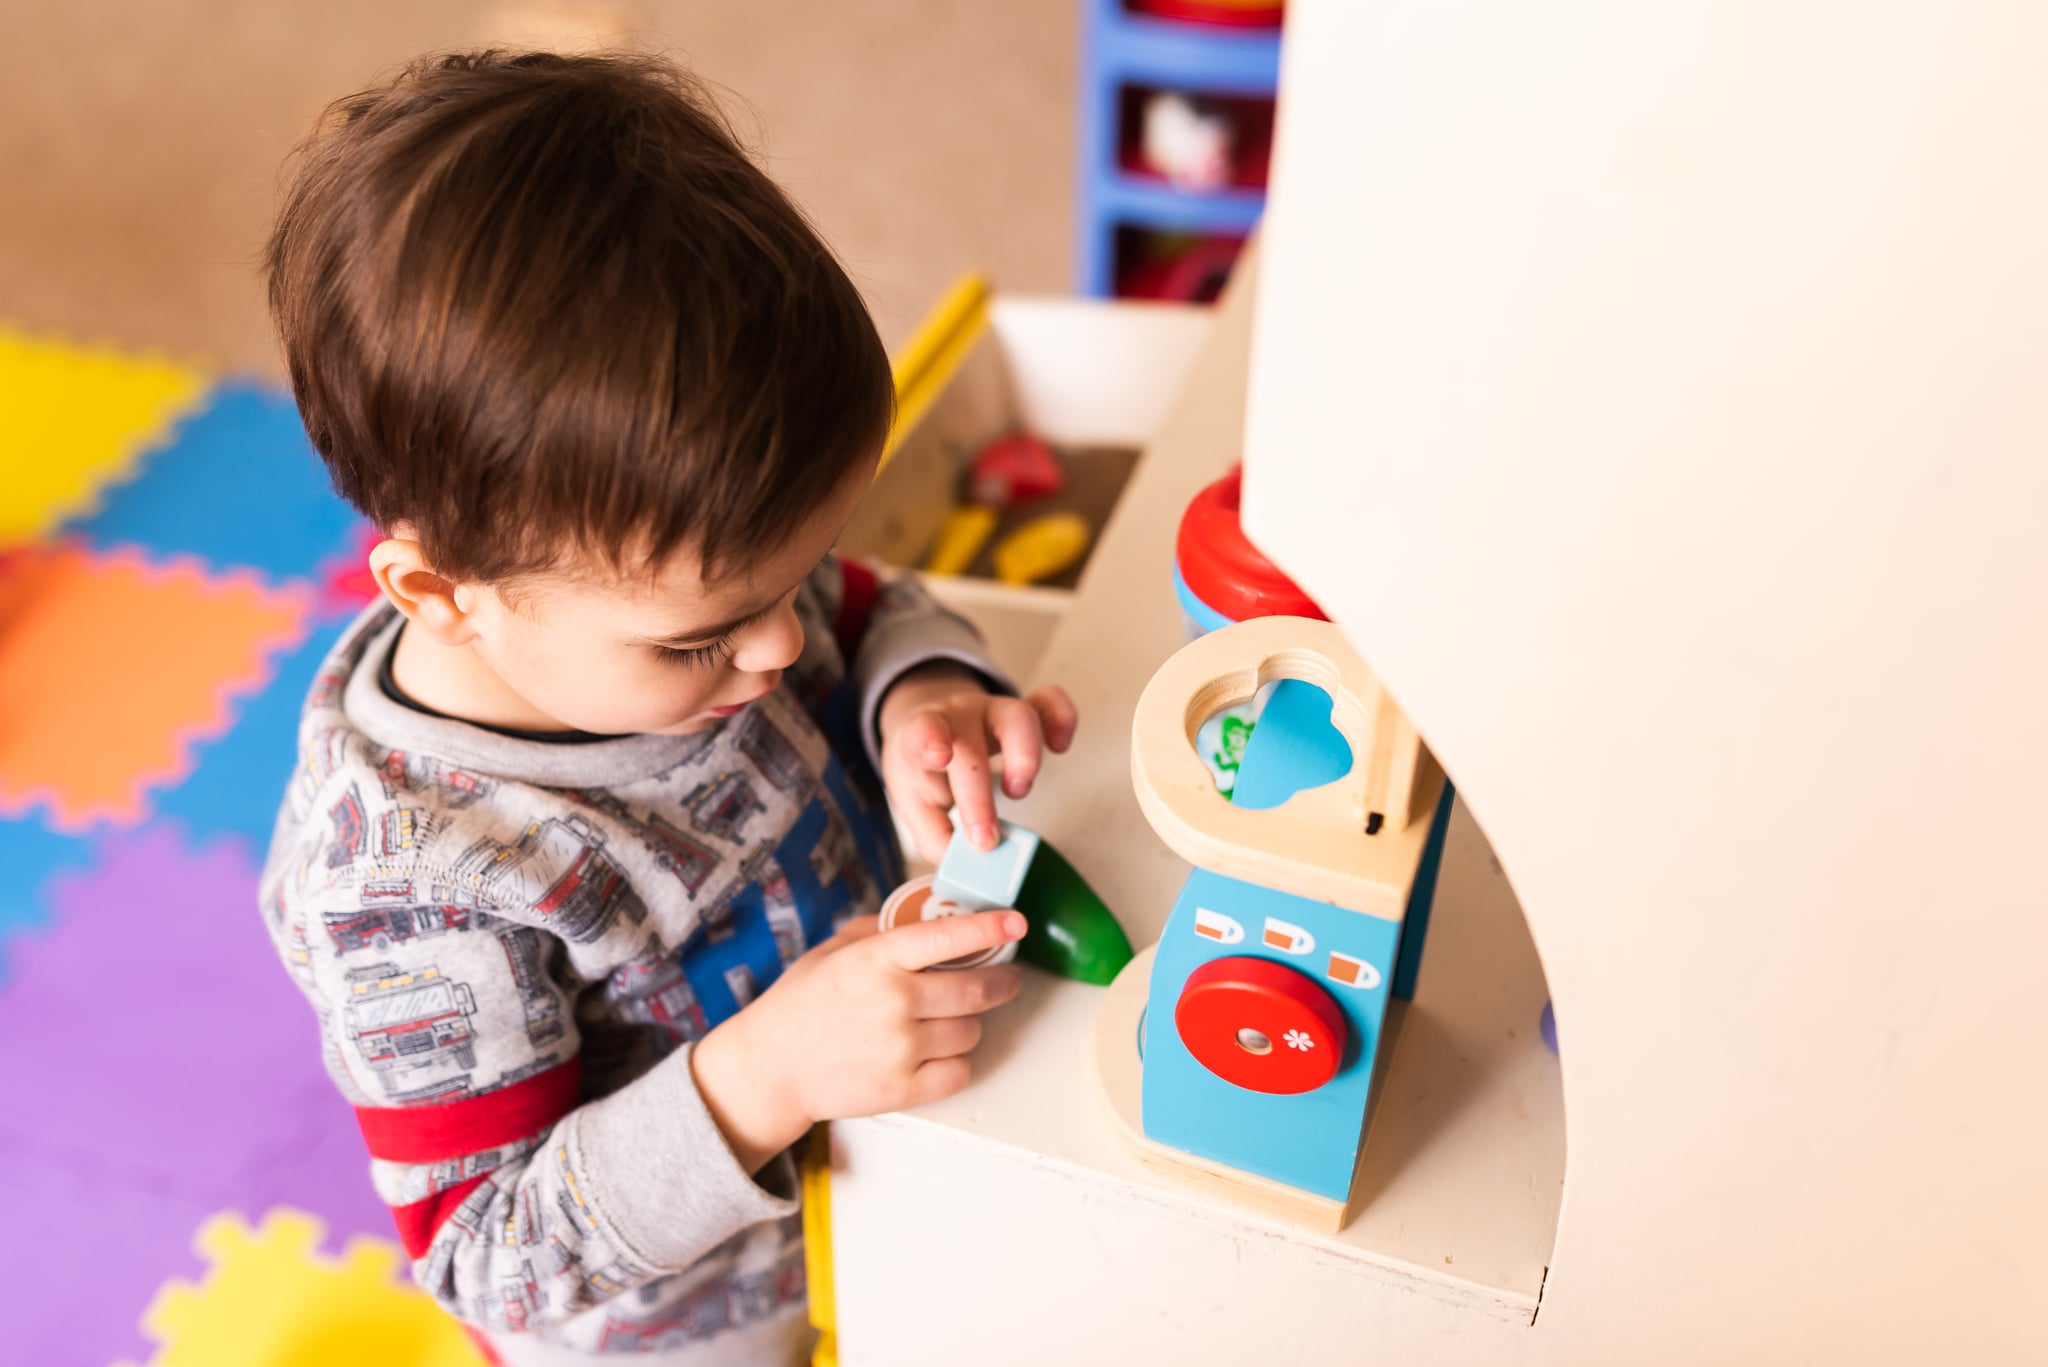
1093	379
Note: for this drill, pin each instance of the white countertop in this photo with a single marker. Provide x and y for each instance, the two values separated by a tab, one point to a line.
1465	1161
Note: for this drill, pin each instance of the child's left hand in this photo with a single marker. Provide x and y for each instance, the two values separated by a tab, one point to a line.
939	728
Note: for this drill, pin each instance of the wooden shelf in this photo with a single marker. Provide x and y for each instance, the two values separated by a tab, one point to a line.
1465	1164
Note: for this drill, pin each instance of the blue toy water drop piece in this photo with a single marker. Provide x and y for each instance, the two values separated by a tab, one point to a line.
1293	747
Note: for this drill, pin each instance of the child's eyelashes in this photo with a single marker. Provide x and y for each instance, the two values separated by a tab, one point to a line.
699	657
716	652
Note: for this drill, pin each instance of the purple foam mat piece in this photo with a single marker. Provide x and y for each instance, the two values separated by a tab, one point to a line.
92	1254
160	1054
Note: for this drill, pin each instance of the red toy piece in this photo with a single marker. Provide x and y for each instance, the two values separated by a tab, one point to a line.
1221	565
1190	272
1014	469
1223	13
1261	1025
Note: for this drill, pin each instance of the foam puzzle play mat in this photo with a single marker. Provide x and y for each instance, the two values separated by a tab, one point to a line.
172	567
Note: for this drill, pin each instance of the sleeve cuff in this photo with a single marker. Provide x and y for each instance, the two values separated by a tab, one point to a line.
900	644
661	1174
882	680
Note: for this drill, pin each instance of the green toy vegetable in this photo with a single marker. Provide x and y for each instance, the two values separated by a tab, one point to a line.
1072	933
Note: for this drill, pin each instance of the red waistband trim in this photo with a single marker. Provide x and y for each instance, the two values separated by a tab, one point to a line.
419	1222
455	1129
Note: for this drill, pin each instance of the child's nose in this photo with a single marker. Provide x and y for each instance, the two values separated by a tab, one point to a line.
772	643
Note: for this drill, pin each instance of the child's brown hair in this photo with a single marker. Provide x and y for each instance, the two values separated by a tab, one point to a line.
539	305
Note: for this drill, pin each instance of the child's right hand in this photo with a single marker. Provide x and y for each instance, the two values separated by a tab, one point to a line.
854	1028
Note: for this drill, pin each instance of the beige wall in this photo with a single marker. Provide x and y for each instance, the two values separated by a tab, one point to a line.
139	139
1659	396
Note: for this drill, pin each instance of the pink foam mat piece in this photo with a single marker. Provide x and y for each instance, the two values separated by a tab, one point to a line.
346	585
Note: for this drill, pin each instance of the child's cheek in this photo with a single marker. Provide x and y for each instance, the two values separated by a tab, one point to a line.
674	693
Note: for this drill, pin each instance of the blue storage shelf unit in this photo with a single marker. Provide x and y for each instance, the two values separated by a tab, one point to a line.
1119	50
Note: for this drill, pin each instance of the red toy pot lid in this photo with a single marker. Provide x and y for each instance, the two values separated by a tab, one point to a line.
1223	567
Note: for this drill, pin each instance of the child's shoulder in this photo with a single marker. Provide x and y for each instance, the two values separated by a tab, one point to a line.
352	798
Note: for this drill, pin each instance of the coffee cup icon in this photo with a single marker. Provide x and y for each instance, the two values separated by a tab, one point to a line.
1287	937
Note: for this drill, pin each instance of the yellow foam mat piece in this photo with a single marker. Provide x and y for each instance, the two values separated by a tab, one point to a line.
273	1300
73	419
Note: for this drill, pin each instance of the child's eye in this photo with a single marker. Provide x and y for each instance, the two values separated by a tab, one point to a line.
699	657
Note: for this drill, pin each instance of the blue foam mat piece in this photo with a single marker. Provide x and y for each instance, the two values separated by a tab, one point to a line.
31	854
237	484
237	780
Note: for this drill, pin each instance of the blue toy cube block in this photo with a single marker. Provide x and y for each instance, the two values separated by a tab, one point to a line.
983	880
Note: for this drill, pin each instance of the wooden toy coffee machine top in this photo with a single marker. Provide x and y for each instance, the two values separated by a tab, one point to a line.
1252	1070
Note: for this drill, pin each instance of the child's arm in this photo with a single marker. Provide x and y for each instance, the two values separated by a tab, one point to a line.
520	1203
886	627
934	707
454	1032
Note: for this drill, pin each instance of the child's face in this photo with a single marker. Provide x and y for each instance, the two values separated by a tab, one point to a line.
671	653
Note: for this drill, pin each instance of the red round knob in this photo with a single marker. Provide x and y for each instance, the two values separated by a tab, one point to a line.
1261	1025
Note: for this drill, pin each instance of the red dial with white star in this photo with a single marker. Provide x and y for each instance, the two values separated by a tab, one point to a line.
1261	1025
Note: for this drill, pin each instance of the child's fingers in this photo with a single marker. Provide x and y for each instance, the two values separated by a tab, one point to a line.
938	1078
948	1038
974	789
928	827
934	787
1015	725
852	933
926	740
966	991
1056	710
916	947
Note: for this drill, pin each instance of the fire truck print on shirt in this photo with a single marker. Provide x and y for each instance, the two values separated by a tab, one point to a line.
722	806
496	934
406	1020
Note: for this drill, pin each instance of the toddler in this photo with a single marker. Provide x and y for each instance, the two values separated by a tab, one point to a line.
579	862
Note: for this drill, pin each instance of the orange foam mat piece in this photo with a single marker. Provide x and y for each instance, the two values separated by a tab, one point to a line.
22	571
112	668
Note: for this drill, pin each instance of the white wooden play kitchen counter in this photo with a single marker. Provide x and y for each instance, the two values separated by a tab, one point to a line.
1010	1225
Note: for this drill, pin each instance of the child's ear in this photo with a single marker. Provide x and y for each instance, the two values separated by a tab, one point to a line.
436	606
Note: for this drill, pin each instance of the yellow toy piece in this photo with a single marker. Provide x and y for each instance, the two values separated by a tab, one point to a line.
816	1170
961	537
72	420
1041	548
273	1300
935	352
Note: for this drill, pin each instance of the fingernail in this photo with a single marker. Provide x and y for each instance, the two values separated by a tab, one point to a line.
1014	925
984	837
